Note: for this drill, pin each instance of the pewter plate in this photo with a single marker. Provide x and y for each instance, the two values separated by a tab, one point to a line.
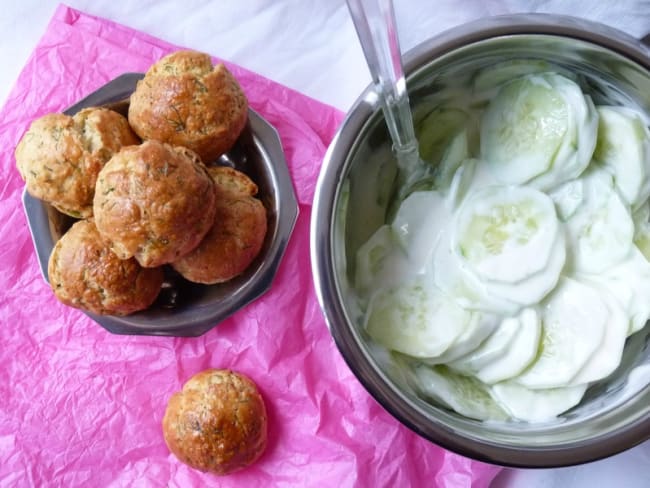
184	308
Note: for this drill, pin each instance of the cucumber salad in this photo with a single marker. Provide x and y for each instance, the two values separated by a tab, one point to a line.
509	280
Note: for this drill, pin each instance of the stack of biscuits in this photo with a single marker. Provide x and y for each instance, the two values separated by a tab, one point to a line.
147	190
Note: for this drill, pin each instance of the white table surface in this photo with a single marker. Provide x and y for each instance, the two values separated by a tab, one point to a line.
311	46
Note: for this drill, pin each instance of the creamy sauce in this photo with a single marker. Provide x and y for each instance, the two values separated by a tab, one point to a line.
510	289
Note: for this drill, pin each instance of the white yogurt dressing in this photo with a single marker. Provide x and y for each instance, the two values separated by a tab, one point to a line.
514	282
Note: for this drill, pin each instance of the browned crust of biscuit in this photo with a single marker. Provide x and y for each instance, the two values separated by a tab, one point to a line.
232	183
154	202
217	423
85	274
237	235
59	157
185	101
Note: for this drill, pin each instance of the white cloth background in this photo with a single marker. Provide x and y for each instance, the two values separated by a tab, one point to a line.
311	46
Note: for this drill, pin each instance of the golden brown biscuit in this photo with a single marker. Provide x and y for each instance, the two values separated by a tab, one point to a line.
217	423
185	101
237	235
154	202
60	156
84	273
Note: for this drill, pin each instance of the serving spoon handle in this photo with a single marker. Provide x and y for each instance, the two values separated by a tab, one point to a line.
374	21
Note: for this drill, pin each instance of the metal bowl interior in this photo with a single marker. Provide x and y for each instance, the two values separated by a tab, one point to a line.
351	200
184	308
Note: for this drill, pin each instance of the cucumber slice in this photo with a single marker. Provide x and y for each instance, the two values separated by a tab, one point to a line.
576	150
520	353
418	225
642	239
490	79
465	395
415	319
452	159
380	261
540	129
623	148
574	318
533	289
493	348
629	282
601	231
641	219
568	198
641	215
455	280
437	130
608	355
536	405
505	233
481	177
480	327
461	182
523	128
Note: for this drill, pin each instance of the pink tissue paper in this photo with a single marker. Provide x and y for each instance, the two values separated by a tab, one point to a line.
82	407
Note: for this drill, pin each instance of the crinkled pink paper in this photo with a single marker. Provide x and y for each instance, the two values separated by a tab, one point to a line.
82	407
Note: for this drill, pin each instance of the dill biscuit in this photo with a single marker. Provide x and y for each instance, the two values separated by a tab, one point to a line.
154	202
186	101
59	157
235	238
84	273
217	423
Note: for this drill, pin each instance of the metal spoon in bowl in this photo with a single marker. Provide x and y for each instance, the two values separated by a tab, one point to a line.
374	21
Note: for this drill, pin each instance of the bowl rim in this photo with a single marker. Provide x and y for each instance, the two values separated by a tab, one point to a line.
327	289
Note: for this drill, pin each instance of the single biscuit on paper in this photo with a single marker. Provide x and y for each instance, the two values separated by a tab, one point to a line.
217	423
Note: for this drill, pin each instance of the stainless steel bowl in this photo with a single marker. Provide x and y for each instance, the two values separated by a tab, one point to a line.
184	308
350	203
